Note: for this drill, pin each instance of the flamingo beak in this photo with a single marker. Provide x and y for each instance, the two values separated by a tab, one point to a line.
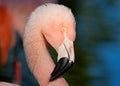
65	59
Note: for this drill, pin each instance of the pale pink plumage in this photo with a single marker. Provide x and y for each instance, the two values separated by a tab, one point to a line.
46	22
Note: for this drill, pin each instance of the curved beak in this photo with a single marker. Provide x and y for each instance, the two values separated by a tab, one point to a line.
65	59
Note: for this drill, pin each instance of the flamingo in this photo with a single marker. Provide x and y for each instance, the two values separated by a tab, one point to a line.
55	24
5	34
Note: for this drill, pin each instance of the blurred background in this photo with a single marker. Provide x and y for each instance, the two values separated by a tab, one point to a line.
97	44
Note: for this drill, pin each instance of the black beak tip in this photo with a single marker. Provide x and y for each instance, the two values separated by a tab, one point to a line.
51	78
61	67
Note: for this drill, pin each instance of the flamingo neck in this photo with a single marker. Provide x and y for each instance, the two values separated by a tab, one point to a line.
37	56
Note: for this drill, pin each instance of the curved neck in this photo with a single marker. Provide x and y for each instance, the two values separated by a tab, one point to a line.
38	58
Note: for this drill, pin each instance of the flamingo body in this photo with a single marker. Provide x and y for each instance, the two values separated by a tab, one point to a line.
5	34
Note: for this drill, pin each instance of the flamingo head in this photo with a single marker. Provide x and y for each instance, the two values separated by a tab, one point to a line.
57	25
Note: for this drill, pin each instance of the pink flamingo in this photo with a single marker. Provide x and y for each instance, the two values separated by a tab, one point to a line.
55	24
